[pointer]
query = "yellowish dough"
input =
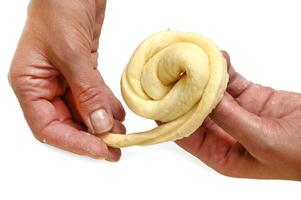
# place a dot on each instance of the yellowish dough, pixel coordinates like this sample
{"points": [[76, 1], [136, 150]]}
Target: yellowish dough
{"points": [[174, 77]]}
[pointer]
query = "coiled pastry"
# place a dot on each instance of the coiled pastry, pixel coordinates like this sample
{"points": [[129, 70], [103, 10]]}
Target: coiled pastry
{"points": [[176, 78]]}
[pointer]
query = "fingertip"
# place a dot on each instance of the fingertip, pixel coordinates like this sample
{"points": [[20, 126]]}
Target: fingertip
{"points": [[226, 55], [227, 58], [119, 112], [96, 148], [118, 127], [114, 154], [117, 108]]}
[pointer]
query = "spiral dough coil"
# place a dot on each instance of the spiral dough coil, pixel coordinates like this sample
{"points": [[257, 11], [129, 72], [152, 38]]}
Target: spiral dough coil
{"points": [[176, 78]]}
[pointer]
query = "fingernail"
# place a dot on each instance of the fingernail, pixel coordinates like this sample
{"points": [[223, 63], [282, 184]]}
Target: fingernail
{"points": [[100, 121]]}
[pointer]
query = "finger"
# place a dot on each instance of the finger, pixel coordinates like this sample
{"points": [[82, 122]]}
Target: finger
{"points": [[50, 123], [64, 114], [209, 143], [88, 89], [218, 150], [116, 107], [250, 96], [242, 125], [70, 103], [71, 139], [237, 83], [114, 153], [118, 127]]}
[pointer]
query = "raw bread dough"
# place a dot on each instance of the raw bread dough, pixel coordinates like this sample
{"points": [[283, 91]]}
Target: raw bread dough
{"points": [[174, 77]]}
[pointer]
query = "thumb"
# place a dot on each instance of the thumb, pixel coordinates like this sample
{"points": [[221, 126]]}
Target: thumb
{"points": [[89, 92], [242, 125]]}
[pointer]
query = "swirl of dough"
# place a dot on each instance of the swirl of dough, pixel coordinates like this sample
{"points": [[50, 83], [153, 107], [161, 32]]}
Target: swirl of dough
{"points": [[176, 78]]}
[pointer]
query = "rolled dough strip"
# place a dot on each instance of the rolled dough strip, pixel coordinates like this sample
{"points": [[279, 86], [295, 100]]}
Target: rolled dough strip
{"points": [[174, 77]]}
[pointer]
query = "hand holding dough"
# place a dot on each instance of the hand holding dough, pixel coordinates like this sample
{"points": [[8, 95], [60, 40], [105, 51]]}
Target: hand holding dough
{"points": [[173, 77]]}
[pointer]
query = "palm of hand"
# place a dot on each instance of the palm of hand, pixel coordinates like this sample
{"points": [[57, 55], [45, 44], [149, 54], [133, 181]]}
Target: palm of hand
{"points": [[253, 132]]}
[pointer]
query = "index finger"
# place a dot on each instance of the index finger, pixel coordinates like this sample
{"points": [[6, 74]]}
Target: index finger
{"points": [[51, 123]]}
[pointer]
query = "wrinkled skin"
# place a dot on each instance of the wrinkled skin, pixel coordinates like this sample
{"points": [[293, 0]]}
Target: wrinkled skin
{"points": [[254, 132], [55, 78]]}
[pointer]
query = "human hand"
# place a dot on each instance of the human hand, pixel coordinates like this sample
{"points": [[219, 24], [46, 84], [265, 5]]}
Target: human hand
{"points": [[254, 132], [55, 78]]}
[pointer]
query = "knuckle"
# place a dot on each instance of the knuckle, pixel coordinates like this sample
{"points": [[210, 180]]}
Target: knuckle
{"points": [[9, 78], [229, 173], [11, 75], [39, 136], [67, 55], [90, 95], [225, 171], [71, 60], [13, 80], [233, 172], [69, 52], [20, 83]]}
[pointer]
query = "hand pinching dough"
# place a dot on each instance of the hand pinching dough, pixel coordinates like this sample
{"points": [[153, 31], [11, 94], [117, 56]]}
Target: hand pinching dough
{"points": [[174, 77]]}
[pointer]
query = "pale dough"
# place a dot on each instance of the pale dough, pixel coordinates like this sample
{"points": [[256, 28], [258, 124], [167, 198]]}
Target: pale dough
{"points": [[174, 77]]}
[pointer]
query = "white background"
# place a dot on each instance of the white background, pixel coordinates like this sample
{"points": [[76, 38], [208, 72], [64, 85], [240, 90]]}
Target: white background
{"points": [[264, 40]]}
